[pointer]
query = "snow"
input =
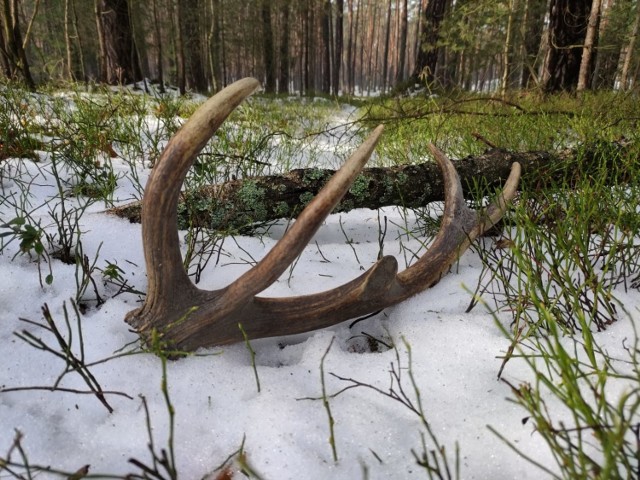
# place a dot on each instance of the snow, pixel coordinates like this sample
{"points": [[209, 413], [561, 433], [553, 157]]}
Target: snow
{"points": [[283, 430]]}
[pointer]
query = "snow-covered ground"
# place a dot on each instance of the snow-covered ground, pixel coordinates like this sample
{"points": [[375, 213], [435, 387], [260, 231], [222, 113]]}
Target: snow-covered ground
{"points": [[284, 431]]}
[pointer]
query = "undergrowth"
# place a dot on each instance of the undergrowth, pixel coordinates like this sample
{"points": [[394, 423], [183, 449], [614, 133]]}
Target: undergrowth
{"points": [[554, 279]]}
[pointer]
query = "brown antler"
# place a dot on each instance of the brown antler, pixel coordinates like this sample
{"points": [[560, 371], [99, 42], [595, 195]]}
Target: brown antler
{"points": [[188, 318]]}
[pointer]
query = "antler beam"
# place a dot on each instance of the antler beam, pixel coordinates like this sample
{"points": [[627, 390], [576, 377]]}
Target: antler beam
{"points": [[188, 318]]}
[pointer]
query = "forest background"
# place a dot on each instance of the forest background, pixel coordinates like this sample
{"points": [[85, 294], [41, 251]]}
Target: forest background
{"points": [[557, 288], [325, 46]]}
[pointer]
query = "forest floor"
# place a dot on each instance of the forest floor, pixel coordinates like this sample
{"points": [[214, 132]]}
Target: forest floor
{"points": [[425, 384]]}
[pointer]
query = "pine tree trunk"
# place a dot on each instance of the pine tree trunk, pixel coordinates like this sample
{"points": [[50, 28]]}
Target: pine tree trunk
{"points": [[326, 44], [624, 75], [121, 58], [193, 39], [385, 54], [159, 45], [14, 55], [568, 21], [267, 45], [67, 43], [402, 42], [590, 43], [179, 47], [506, 51], [83, 70], [427, 58], [309, 57], [337, 51], [101, 42], [351, 45], [283, 80]]}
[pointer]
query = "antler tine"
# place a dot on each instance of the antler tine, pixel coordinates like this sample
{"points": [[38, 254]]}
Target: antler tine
{"points": [[459, 227], [167, 279], [297, 237], [380, 287]]}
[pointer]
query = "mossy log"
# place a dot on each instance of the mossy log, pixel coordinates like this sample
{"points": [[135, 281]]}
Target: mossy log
{"points": [[238, 204]]}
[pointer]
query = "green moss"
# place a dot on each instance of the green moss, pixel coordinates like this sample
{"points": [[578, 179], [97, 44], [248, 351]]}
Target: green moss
{"points": [[252, 199], [312, 175], [402, 179], [305, 198], [389, 189], [221, 215], [281, 209], [360, 187]]}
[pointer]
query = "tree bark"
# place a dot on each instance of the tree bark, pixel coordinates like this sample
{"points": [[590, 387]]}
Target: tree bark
{"points": [[283, 80], [121, 58], [605, 66], [624, 76], [179, 47], [101, 42], [590, 44], [309, 56], [337, 51], [214, 46], [193, 39], [385, 54], [427, 57], [402, 42], [568, 21], [506, 51], [239, 204], [159, 46], [326, 43], [267, 45], [80, 42], [67, 44], [351, 45], [14, 55]]}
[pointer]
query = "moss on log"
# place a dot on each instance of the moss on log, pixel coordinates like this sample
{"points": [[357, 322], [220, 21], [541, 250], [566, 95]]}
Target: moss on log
{"points": [[238, 204]]}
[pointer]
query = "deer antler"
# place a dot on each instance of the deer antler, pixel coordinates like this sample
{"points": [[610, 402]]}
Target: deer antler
{"points": [[188, 318]]}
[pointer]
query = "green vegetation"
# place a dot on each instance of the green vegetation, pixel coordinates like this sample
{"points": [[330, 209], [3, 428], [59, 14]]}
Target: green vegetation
{"points": [[565, 254], [553, 278], [464, 124]]}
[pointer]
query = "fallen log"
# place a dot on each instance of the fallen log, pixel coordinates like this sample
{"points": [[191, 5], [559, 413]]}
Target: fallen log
{"points": [[238, 204]]}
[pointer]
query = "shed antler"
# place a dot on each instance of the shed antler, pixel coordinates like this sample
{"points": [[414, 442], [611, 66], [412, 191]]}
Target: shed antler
{"points": [[188, 318]]}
